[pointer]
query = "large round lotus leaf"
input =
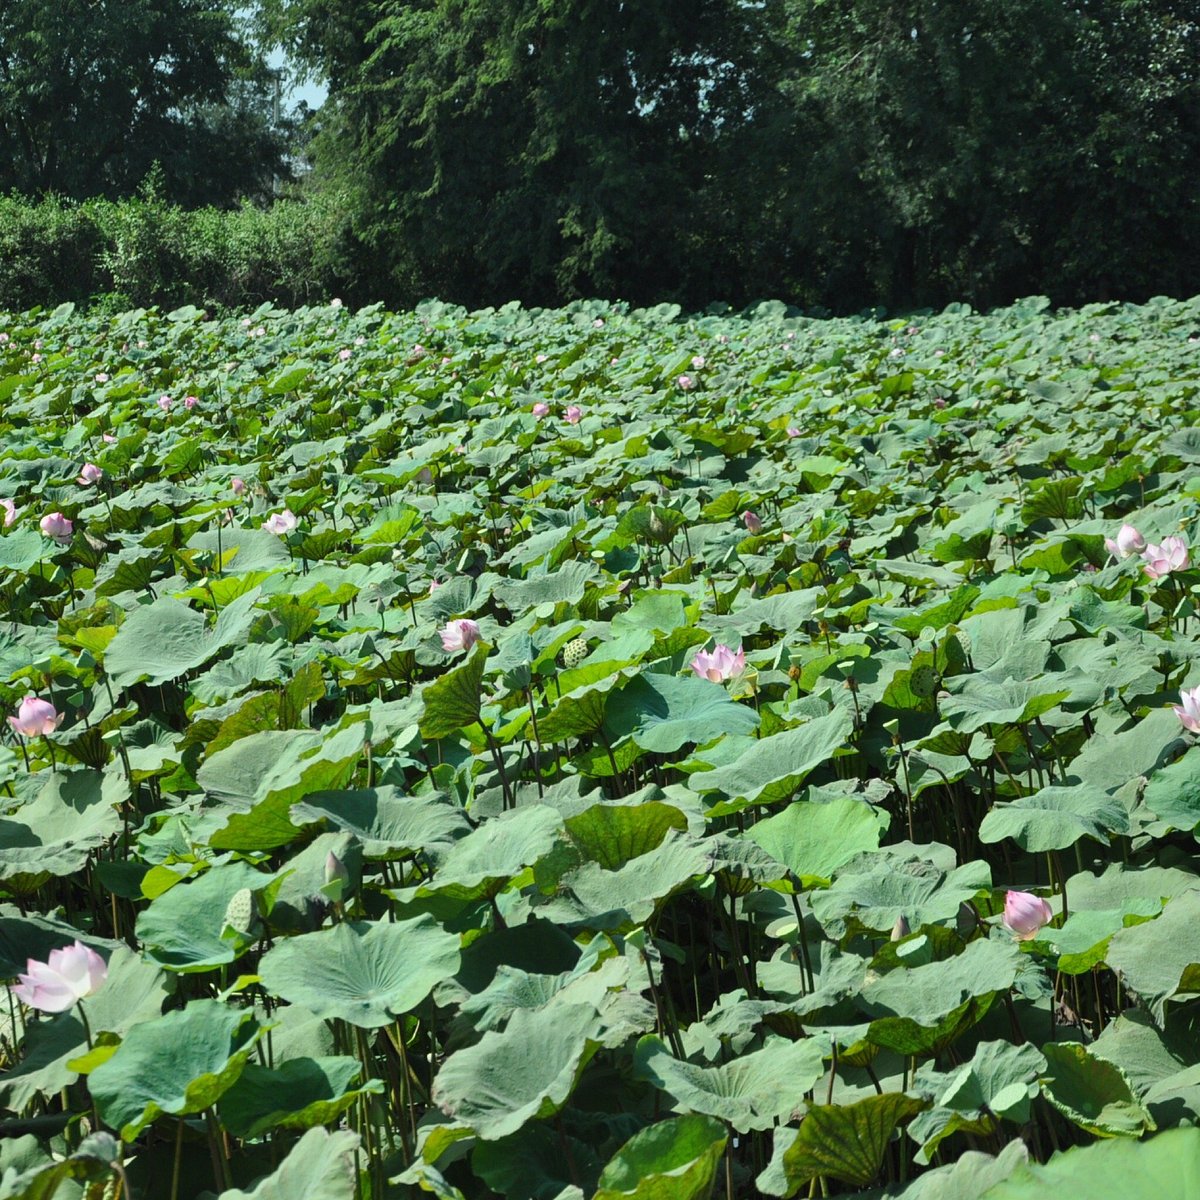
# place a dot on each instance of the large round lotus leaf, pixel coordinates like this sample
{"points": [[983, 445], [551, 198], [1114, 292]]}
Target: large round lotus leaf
{"points": [[612, 834], [387, 822], [812, 840], [664, 712], [298, 1094], [1092, 1092], [1167, 1167], [72, 814], [1056, 817], [159, 642], [524, 1073], [775, 766], [184, 929], [674, 1159], [1160, 959], [321, 1166], [751, 1092], [480, 864], [179, 1063], [363, 972], [845, 1142]]}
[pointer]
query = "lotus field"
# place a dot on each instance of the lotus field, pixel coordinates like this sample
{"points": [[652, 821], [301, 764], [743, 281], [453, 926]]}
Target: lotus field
{"points": [[599, 753]]}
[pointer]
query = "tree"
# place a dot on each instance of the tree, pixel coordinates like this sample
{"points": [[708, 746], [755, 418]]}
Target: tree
{"points": [[94, 92], [540, 149]]}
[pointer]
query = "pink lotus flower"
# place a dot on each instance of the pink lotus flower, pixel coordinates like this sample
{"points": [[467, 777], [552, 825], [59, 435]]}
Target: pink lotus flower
{"points": [[1025, 914], [572, 415], [71, 974], [89, 475], [280, 522], [1128, 541], [459, 635], [35, 718], [419, 351], [101, 376], [10, 512], [1171, 555], [58, 527], [752, 521], [108, 438], [335, 303], [237, 486], [190, 402], [540, 410], [165, 402], [541, 358], [35, 358], [344, 355], [698, 361], [792, 431], [598, 323], [1188, 709], [720, 664], [686, 382]]}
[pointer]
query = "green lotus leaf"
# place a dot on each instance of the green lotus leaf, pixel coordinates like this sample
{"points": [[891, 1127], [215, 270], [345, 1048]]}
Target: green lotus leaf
{"points": [[366, 973], [321, 1166], [813, 839], [674, 1159], [159, 642], [753, 1091], [176, 1064]]}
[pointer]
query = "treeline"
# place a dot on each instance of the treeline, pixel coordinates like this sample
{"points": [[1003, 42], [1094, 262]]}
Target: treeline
{"points": [[837, 155]]}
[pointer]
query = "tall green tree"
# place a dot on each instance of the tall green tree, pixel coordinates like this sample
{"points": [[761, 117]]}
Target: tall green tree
{"points": [[94, 92], [540, 148]]}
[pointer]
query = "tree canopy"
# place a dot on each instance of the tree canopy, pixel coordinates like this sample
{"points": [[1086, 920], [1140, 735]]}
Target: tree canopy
{"points": [[94, 92]]}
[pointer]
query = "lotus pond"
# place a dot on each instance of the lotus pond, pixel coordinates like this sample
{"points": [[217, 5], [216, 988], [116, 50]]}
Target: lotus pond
{"points": [[599, 753]]}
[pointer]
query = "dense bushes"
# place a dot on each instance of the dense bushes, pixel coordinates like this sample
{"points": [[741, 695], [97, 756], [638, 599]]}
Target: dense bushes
{"points": [[144, 251]]}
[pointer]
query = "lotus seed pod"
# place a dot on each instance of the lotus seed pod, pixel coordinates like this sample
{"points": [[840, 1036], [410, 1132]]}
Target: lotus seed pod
{"points": [[239, 912], [575, 652], [923, 681]]}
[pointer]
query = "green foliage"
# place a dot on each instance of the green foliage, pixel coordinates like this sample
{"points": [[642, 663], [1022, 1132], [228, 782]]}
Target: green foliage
{"points": [[905, 863]]}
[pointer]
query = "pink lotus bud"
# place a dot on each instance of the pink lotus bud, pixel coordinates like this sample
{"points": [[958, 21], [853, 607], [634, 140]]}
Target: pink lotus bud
{"points": [[108, 438], [344, 354], [190, 402], [901, 929], [36, 358], [280, 523], [752, 521], [89, 475], [541, 358], [572, 415], [1025, 914], [1171, 555], [1128, 541], [1188, 709], [237, 486], [10, 512], [165, 402], [35, 717], [685, 383], [459, 635], [792, 431], [101, 376], [58, 527], [335, 303], [335, 870], [540, 410], [720, 665], [71, 974], [598, 323], [698, 361]]}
